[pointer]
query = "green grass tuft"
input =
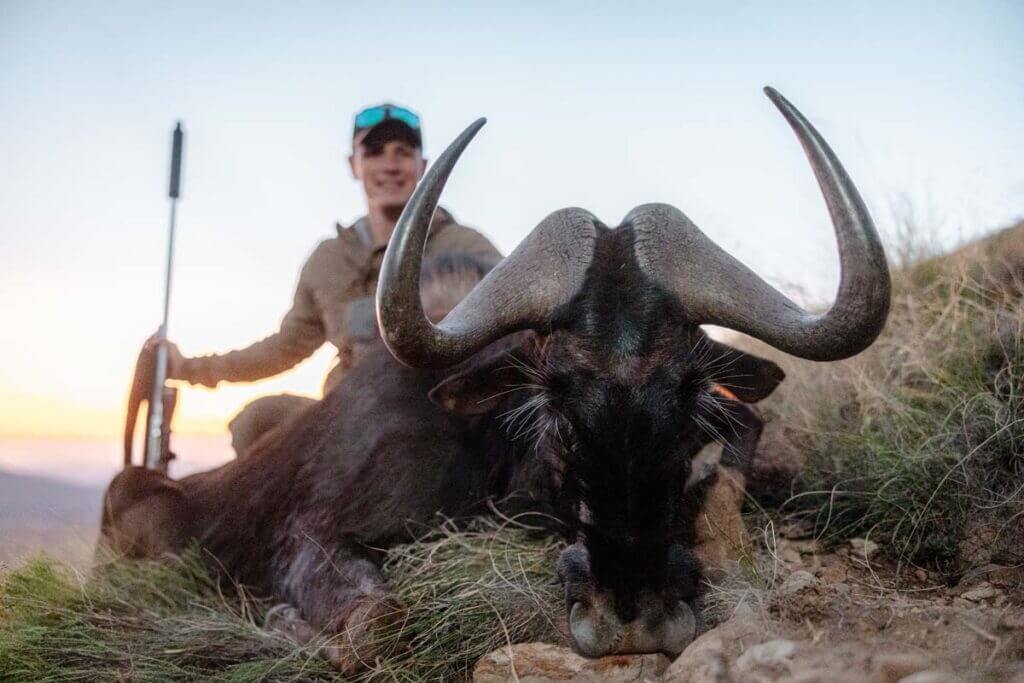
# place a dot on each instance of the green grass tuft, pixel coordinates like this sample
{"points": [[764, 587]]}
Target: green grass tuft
{"points": [[140, 621], [467, 594], [918, 443]]}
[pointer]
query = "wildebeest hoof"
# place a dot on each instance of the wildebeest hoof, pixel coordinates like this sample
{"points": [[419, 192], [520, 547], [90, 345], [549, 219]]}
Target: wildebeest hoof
{"points": [[367, 633], [285, 618]]}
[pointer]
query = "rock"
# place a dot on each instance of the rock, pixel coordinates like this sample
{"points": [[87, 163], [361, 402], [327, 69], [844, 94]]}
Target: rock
{"points": [[750, 650], [976, 548], [795, 529], [983, 591], [705, 666], [834, 573], [892, 667], [806, 547], [849, 662], [863, 547], [963, 605], [933, 676], [1011, 578], [789, 555], [546, 663], [774, 658], [796, 582], [1013, 620], [718, 646]]}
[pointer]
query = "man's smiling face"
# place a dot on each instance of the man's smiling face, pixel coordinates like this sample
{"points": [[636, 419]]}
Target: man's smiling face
{"points": [[388, 167]]}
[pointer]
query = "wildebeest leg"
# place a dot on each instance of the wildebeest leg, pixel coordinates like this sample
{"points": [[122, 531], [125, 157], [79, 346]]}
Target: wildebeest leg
{"points": [[260, 416], [341, 595]]}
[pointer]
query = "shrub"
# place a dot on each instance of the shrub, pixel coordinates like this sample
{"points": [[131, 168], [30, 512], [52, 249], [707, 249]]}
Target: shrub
{"points": [[918, 443]]}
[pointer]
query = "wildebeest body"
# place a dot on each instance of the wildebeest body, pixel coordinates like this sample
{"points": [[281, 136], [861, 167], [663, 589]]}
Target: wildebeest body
{"points": [[374, 463], [304, 516]]}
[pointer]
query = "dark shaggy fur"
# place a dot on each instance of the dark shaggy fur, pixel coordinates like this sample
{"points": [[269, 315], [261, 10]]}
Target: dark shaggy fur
{"points": [[590, 425]]}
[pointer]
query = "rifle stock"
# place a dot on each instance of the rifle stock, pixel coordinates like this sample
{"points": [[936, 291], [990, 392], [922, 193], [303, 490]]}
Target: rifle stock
{"points": [[156, 453]]}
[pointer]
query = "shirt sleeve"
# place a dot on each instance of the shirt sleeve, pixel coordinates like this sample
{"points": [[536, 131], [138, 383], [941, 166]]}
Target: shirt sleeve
{"points": [[300, 334]]}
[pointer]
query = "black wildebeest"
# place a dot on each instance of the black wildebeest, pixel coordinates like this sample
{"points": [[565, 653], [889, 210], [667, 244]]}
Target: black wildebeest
{"points": [[573, 378]]}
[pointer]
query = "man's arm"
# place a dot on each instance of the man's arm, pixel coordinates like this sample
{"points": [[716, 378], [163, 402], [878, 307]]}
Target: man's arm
{"points": [[301, 333]]}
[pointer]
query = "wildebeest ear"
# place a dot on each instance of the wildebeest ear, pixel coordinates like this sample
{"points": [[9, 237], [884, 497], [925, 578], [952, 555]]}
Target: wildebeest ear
{"points": [[478, 388], [747, 376]]}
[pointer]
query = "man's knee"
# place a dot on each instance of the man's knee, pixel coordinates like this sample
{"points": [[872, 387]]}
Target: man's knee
{"points": [[260, 416]]}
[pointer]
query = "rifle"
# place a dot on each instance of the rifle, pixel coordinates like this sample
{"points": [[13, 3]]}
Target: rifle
{"points": [[151, 369]]}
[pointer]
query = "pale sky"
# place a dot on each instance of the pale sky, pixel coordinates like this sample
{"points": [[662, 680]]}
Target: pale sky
{"points": [[600, 106]]}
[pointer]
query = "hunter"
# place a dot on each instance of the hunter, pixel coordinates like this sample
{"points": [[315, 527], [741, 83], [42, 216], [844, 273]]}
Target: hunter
{"points": [[334, 297]]}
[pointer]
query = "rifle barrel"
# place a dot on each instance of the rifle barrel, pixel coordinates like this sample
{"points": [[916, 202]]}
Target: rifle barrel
{"points": [[154, 429], [176, 147]]}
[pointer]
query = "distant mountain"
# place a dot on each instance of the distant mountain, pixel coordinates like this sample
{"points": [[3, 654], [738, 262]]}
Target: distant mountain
{"points": [[40, 515], [26, 497]]}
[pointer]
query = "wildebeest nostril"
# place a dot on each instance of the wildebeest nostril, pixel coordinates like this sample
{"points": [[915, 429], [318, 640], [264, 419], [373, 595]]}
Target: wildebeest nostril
{"points": [[679, 629], [595, 631], [626, 609], [598, 628]]}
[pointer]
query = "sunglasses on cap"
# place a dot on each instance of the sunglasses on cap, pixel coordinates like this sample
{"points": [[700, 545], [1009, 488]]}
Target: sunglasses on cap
{"points": [[371, 116]]}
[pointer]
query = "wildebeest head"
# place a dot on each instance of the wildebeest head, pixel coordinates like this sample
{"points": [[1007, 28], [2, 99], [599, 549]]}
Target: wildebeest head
{"points": [[620, 377]]}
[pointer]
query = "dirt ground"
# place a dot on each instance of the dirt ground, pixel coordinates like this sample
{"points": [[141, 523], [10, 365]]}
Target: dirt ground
{"points": [[783, 607], [814, 616], [848, 615]]}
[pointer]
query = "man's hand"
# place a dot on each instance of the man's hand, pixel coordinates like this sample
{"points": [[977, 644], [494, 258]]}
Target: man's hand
{"points": [[175, 361]]}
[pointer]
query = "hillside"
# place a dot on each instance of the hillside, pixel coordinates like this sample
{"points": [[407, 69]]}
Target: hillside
{"points": [[39, 515]]}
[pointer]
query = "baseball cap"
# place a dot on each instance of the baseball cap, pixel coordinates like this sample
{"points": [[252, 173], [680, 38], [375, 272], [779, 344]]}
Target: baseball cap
{"points": [[392, 120]]}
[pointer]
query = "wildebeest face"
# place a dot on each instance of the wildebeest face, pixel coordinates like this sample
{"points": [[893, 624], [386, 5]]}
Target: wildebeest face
{"points": [[618, 393], [627, 390], [618, 421], [624, 450]]}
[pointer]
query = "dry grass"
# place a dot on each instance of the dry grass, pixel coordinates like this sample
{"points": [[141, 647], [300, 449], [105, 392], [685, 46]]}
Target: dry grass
{"points": [[918, 443]]}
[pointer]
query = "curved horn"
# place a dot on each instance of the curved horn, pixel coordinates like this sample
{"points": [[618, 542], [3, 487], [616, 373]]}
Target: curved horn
{"points": [[524, 291], [716, 288]]}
